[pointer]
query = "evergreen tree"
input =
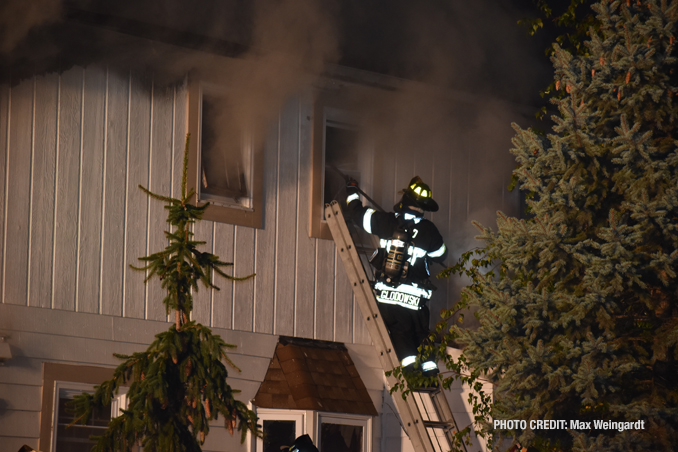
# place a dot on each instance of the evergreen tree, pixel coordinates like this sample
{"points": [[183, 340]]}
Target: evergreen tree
{"points": [[583, 321], [572, 19], [179, 383]]}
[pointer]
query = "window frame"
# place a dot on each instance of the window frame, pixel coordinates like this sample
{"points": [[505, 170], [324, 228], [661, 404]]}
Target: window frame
{"points": [[331, 107], [363, 421], [311, 423], [274, 414], [236, 215], [117, 404], [53, 373]]}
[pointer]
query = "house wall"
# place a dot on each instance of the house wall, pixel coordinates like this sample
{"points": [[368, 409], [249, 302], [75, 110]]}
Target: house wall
{"points": [[38, 335], [73, 149]]}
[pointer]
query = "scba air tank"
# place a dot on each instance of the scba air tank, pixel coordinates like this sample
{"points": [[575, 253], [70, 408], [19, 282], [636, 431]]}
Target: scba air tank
{"points": [[397, 255]]}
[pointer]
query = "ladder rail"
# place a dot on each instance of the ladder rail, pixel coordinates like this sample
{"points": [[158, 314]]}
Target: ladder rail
{"points": [[442, 407], [416, 427], [407, 408]]}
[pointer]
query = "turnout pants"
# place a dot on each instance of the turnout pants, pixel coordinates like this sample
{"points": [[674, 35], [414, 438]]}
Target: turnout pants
{"points": [[407, 328]]}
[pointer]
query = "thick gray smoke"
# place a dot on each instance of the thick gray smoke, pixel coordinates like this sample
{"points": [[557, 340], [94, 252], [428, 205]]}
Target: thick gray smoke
{"points": [[463, 55]]}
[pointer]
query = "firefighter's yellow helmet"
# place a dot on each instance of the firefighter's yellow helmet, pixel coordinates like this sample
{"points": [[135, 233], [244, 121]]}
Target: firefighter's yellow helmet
{"points": [[419, 195]]}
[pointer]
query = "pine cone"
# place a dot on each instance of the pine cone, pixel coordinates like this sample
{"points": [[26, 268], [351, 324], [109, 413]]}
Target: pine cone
{"points": [[230, 423]]}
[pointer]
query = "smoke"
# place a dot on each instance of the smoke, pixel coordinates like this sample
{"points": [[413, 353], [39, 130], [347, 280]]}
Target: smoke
{"points": [[19, 17], [291, 42], [468, 62]]}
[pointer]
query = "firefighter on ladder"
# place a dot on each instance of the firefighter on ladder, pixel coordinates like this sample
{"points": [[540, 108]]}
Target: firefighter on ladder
{"points": [[407, 244]]}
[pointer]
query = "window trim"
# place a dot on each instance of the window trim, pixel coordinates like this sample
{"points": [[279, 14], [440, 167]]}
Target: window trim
{"points": [[240, 216], [363, 421], [53, 373], [311, 422], [269, 414], [75, 387], [331, 106]]}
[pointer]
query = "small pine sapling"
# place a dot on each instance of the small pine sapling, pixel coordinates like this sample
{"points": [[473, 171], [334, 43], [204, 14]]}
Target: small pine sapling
{"points": [[178, 384]]}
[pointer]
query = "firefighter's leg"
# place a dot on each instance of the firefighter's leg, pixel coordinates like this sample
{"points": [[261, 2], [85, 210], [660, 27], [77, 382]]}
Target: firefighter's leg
{"points": [[401, 328], [421, 322]]}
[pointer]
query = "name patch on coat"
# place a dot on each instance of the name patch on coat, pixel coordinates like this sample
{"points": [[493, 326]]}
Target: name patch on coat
{"points": [[391, 296]]}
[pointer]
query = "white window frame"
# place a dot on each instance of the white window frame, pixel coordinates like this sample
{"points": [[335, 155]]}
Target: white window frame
{"points": [[309, 422], [347, 419], [117, 404], [272, 414]]}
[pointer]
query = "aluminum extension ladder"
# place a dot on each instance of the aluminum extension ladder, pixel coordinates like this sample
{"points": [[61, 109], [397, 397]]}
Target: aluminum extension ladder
{"points": [[425, 415]]}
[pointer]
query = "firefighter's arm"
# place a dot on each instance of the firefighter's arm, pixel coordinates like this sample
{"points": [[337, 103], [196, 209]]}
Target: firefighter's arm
{"points": [[437, 251], [358, 213], [364, 216]]}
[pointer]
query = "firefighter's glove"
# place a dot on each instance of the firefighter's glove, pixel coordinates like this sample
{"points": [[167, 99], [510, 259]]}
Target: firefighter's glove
{"points": [[352, 191]]}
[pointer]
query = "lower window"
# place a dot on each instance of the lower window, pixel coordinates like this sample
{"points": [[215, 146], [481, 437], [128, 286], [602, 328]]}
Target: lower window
{"points": [[76, 438], [342, 433], [280, 427], [330, 432]]}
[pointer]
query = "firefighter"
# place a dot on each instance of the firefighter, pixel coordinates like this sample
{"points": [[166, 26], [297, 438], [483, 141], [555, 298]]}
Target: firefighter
{"points": [[408, 243]]}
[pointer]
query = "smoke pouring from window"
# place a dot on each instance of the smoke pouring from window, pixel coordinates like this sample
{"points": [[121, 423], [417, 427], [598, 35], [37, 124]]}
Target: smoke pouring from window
{"points": [[470, 63]]}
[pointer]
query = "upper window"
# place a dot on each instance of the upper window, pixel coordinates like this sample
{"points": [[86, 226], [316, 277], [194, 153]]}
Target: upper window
{"points": [[340, 150], [225, 166]]}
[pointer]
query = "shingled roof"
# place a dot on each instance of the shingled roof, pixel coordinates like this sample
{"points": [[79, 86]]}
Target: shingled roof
{"points": [[306, 374]]}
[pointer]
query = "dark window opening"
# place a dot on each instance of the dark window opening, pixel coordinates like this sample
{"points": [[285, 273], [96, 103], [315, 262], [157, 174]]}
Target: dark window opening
{"points": [[225, 156], [278, 434], [76, 437], [341, 157], [341, 438]]}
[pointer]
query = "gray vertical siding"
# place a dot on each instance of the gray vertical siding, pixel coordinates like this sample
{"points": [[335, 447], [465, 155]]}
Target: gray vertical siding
{"points": [[42, 192], [91, 190], [67, 190], [74, 148], [17, 196], [116, 151], [287, 206]]}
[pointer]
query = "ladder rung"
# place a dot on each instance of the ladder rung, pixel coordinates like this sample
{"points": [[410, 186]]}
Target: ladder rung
{"points": [[438, 424], [429, 390]]}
